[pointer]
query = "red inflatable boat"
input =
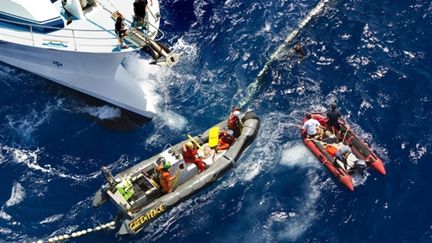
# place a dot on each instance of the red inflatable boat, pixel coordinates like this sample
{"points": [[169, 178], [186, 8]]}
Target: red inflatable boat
{"points": [[325, 147]]}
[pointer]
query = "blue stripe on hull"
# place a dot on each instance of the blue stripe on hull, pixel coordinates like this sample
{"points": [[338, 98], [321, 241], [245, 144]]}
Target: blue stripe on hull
{"points": [[24, 22]]}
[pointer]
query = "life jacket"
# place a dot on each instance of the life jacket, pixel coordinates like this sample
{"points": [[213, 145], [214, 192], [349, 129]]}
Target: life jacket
{"points": [[189, 155], [331, 149], [226, 138], [233, 121], [165, 181]]}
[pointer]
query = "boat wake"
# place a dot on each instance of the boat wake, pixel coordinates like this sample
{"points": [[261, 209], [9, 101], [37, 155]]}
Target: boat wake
{"points": [[295, 154]]}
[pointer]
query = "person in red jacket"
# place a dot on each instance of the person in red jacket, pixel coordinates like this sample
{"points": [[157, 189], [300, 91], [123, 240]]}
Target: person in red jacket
{"points": [[234, 122], [190, 155], [226, 138]]}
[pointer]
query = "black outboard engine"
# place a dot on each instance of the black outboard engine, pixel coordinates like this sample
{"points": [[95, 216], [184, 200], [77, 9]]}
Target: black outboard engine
{"points": [[108, 176], [359, 167]]}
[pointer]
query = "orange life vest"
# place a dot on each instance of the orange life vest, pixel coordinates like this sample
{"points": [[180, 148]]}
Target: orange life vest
{"points": [[331, 149]]}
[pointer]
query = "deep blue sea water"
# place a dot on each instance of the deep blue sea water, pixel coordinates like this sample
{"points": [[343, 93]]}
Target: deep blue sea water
{"points": [[371, 57]]}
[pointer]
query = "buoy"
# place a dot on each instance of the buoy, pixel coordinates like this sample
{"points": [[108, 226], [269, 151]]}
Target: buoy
{"points": [[50, 240], [98, 228], [74, 234], [89, 230], [60, 237]]}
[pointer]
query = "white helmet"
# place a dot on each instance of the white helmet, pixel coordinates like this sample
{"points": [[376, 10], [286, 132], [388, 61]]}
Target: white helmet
{"points": [[236, 113], [230, 132]]}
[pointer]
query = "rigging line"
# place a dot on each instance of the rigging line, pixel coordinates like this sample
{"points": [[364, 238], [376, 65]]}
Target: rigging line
{"points": [[251, 89]]}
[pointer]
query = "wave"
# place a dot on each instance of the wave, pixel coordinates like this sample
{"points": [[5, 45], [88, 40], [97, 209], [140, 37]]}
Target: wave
{"points": [[30, 158], [26, 125], [51, 219], [17, 195]]}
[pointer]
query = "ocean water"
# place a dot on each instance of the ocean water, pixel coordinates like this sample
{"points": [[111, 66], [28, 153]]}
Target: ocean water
{"points": [[371, 57]]}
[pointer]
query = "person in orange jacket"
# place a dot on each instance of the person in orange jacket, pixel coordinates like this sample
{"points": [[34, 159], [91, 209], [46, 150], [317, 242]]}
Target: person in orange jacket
{"points": [[234, 122], [226, 138], [190, 155], [165, 178]]}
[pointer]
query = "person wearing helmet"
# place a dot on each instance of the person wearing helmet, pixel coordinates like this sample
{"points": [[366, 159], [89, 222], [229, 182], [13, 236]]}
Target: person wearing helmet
{"points": [[226, 138], [165, 178], [234, 122], [333, 117], [190, 155]]}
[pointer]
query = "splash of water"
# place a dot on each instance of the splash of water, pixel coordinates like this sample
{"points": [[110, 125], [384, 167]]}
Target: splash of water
{"points": [[105, 112], [295, 154]]}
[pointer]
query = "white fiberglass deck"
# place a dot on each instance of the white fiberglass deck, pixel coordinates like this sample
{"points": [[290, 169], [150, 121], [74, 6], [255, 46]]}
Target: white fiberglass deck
{"points": [[94, 33], [84, 55]]}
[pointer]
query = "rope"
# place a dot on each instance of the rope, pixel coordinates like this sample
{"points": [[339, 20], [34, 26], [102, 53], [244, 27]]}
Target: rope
{"points": [[252, 87], [76, 234], [128, 21]]}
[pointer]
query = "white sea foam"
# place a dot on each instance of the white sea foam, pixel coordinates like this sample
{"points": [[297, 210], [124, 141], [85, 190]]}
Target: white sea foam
{"points": [[173, 120], [295, 154], [51, 219], [305, 214], [155, 81], [30, 159], [105, 112], [29, 123], [417, 153], [17, 195], [4, 215]]}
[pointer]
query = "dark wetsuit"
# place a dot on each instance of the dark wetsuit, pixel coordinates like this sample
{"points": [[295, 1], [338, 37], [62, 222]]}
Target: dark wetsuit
{"points": [[333, 117], [139, 8]]}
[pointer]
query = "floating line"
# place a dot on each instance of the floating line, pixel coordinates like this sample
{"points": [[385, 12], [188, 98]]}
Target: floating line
{"points": [[251, 89], [79, 233]]}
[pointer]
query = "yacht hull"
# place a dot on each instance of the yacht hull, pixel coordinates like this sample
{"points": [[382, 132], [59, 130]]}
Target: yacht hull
{"points": [[100, 75]]}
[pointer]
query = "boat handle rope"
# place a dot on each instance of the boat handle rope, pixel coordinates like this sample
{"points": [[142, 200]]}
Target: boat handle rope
{"points": [[110, 225]]}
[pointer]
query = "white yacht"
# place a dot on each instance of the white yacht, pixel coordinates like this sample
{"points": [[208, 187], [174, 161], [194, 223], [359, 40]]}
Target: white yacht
{"points": [[73, 43]]}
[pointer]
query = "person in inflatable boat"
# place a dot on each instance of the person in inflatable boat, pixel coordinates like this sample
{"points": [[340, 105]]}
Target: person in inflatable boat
{"points": [[226, 138], [190, 155], [234, 122], [165, 178], [312, 127]]}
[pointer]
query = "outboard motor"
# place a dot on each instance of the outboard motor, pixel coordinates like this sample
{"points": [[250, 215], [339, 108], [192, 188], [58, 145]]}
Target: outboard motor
{"points": [[359, 167], [108, 176]]}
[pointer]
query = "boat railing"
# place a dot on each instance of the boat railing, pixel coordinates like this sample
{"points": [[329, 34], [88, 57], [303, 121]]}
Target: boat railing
{"points": [[59, 38]]}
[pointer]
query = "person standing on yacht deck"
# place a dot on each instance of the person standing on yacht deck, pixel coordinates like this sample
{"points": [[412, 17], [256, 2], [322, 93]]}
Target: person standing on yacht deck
{"points": [[140, 7], [120, 31]]}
